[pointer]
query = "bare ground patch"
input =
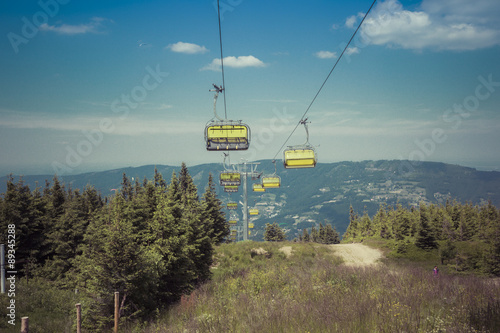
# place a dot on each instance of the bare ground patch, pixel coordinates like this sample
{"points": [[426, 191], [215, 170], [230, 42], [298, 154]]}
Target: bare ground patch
{"points": [[357, 254]]}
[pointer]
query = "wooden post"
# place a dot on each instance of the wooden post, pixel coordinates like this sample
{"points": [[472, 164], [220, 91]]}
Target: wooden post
{"points": [[117, 310], [78, 318], [24, 325]]}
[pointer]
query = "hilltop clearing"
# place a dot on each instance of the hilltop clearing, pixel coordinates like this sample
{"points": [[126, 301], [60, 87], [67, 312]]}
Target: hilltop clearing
{"points": [[356, 254]]}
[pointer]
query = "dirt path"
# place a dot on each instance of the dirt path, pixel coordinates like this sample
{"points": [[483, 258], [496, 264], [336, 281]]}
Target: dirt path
{"points": [[357, 254]]}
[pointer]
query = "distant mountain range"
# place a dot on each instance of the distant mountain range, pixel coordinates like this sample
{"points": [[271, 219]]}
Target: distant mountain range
{"points": [[321, 194]]}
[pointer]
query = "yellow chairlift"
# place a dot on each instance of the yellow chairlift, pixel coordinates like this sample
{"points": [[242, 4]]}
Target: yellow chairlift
{"points": [[223, 134], [231, 189], [232, 205], [253, 211], [250, 225], [232, 221], [228, 178], [301, 156], [258, 188], [271, 181]]}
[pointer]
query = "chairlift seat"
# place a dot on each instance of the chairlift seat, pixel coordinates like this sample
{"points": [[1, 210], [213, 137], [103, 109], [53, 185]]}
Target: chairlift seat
{"points": [[304, 157], [227, 136], [271, 182], [231, 188], [230, 178], [258, 188]]}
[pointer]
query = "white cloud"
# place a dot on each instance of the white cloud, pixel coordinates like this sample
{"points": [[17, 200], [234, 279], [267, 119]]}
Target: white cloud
{"points": [[438, 25], [351, 50], [188, 48], [235, 62], [350, 21], [326, 54], [130, 126], [93, 26]]}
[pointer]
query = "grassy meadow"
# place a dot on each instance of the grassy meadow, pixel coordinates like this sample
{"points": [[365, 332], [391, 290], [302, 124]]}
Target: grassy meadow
{"points": [[257, 287], [311, 291]]}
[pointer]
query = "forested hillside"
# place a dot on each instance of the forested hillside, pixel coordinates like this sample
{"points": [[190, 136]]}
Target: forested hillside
{"points": [[466, 236], [152, 241], [322, 194]]}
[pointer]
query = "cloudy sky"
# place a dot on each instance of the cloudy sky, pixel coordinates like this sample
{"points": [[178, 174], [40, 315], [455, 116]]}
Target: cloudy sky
{"points": [[93, 85]]}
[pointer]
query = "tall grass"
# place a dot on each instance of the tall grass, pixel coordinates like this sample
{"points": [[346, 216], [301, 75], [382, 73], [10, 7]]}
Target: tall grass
{"points": [[49, 308], [309, 291], [312, 292]]}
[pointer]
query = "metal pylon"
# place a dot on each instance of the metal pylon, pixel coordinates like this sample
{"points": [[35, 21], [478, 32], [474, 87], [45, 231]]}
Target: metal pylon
{"points": [[242, 168]]}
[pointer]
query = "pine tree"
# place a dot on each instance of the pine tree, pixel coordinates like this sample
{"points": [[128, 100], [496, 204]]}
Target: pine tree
{"points": [[158, 179], [332, 235], [364, 225], [314, 235], [212, 214], [352, 229], [169, 244], [336, 236], [18, 208], [127, 192], [198, 229], [380, 222], [425, 239], [113, 260], [67, 233], [305, 236], [322, 239], [273, 233], [402, 223], [187, 188], [491, 259]]}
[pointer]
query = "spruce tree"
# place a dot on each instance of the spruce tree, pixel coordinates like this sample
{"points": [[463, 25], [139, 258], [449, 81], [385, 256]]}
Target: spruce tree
{"points": [[198, 229], [314, 235], [213, 215], [352, 229], [127, 191], [425, 238], [273, 233], [169, 243], [19, 208], [331, 235], [305, 236], [322, 239], [113, 260]]}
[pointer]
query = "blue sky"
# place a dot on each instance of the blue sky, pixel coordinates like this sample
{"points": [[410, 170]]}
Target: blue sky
{"points": [[93, 85]]}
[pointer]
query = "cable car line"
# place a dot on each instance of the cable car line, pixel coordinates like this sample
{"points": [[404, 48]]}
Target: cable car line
{"points": [[224, 134], [223, 88], [326, 79]]}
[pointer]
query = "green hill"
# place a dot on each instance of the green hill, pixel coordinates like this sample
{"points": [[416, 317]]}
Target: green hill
{"points": [[322, 194]]}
